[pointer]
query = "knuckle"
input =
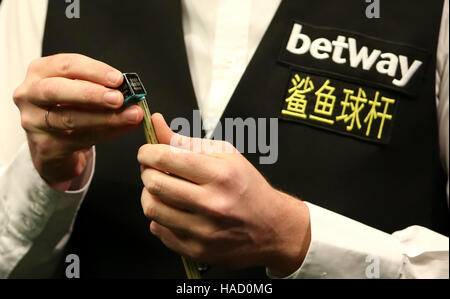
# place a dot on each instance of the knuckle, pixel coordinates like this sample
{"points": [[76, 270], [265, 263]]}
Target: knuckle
{"points": [[160, 155], [153, 184], [154, 229], [67, 119], [151, 212], [112, 120], [34, 66], [66, 62], [25, 121], [197, 252], [89, 94], [221, 208], [142, 153], [45, 149], [204, 232], [19, 94], [144, 201], [49, 88], [226, 175], [44, 145]]}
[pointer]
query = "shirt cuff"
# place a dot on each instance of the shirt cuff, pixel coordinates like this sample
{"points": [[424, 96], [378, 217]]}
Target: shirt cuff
{"points": [[343, 248], [26, 204], [426, 253]]}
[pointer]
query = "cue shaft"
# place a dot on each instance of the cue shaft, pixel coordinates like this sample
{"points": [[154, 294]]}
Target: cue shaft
{"points": [[190, 266]]}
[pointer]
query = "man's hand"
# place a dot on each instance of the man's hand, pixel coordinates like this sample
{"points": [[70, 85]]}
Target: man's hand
{"points": [[83, 111], [216, 208]]}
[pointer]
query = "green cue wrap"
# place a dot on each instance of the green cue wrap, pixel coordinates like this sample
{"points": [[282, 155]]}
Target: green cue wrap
{"points": [[134, 93]]}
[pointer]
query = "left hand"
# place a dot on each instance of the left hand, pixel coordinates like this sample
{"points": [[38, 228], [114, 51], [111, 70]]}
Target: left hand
{"points": [[216, 208]]}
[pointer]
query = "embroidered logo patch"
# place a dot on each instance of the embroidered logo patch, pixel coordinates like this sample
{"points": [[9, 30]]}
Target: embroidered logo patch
{"points": [[354, 57], [338, 106]]}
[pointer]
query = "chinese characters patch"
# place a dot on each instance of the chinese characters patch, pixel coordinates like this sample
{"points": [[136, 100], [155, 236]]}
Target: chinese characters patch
{"points": [[345, 108]]}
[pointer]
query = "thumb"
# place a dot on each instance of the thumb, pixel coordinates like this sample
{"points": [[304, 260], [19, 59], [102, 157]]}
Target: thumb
{"points": [[163, 132], [166, 136]]}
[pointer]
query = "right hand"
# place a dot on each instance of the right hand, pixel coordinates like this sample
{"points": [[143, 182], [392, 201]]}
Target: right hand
{"points": [[84, 111]]}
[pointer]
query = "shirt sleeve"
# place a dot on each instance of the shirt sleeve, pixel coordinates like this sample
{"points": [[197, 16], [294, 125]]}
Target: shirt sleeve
{"points": [[344, 248], [442, 92], [35, 219]]}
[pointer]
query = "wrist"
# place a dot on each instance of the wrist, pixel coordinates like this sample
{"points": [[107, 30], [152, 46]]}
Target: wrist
{"points": [[81, 180], [60, 186], [59, 172], [293, 239]]}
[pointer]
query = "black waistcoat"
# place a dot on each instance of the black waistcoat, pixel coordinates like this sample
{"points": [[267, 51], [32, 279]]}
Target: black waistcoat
{"points": [[388, 185]]}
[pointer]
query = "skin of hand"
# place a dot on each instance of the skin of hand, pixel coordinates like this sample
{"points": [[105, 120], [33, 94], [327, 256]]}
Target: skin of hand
{"points": [[216, 208], [84, 110]]}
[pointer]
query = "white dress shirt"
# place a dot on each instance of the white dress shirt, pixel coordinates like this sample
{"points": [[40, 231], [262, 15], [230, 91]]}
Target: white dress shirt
{"points": [[221, 37]]}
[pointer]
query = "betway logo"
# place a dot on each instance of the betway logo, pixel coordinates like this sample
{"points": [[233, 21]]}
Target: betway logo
{"points": [[322, 48]]}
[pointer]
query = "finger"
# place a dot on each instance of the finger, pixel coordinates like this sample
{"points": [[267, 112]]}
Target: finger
{"points": [[174, 191], [57, 90], [173, 218], [72, 119], [177, 242], [194, 167], [77, 66]]}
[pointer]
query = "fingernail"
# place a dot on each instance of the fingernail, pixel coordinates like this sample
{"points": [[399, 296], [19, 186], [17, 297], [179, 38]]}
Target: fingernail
{"points": [[114, 77], [131, 114], [112, 98]]}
